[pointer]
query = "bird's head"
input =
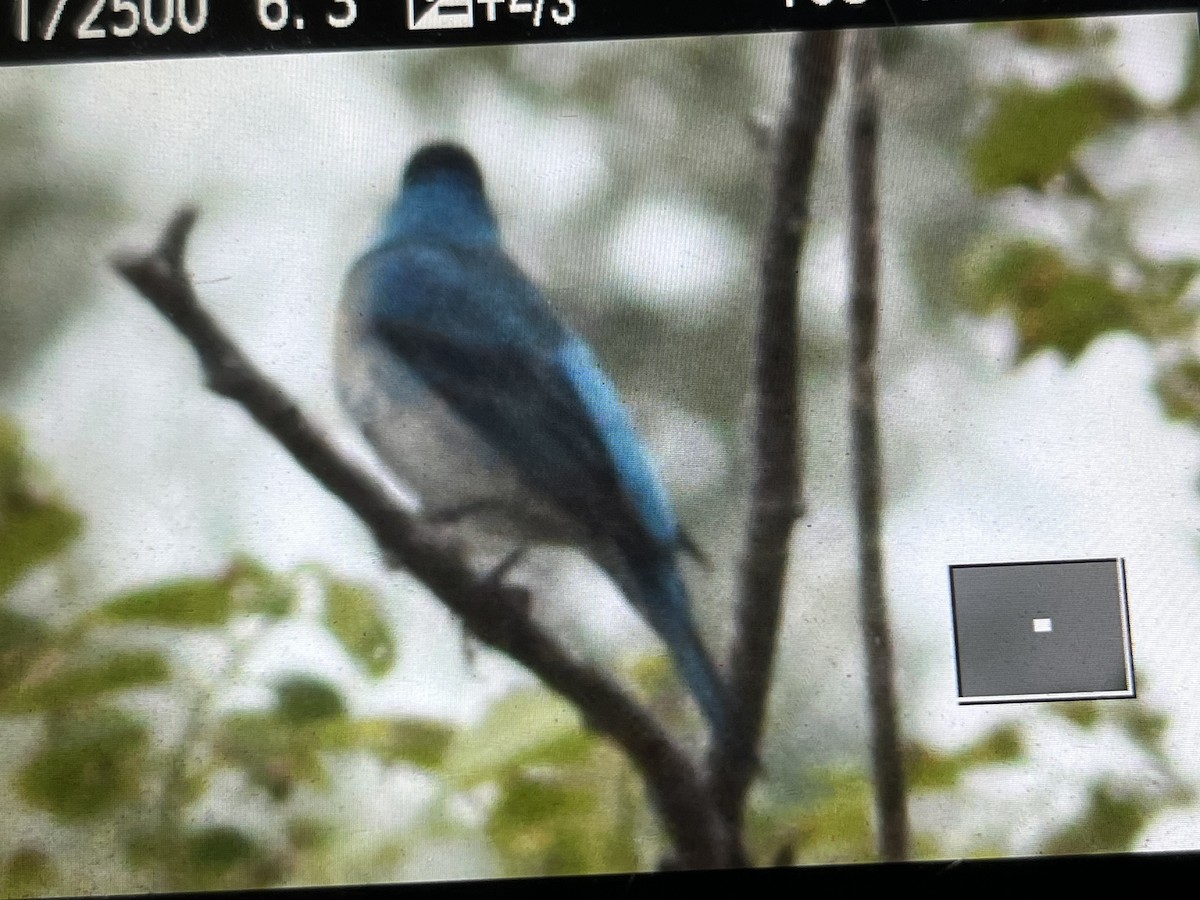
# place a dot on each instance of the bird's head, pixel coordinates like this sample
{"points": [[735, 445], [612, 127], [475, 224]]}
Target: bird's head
{"points": [[442, 195], [443, 162]]}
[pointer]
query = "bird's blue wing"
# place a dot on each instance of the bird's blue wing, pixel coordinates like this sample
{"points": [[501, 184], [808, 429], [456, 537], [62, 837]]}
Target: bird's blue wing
{"points": [[525, 406], [614, 427]]}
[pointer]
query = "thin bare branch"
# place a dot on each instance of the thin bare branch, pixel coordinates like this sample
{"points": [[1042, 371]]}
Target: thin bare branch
{"points": [[777, 494], [495, 613], [886, 754]]}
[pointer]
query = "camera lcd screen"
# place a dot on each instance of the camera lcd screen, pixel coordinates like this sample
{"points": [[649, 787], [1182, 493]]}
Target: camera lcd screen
{"points": [[589, 457]]}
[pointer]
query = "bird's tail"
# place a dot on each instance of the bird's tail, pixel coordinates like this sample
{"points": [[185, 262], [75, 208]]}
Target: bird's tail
{"points": [[667, 608]]}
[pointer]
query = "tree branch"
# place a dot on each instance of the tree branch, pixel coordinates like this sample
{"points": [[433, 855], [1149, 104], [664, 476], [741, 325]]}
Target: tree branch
{"points": [[886, 756], [495, 613], [777, 494]]}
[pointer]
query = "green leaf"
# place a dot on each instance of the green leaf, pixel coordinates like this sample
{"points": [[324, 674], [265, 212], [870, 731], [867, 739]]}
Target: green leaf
{"points": [[12, 456], [216, 857], [1188, 97], [88, 765], [653, 673], [273, 754], [574, 817], [22, 640], [1032, 135], [1000, 745], [929, 769], [284, 747], [545, 825], [419, 742], [73, 682], [1055, 34], [29, 872], [1110, 823], [1178, 389], [1066, 34], [1145, 727], [527, 727], [1059, 304], [222, 857], [1168, 280], [186, 603], [1053, 303], [1085, 714], [152, 845], [353, 615], [256, 590], [272, 742], [33, 530], [301, 699], [308, 835], [838, 827], [245, 587]]}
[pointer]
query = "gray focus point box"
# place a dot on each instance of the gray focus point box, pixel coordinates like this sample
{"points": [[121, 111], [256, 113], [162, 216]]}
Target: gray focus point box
{"points": [[1041, 631]]}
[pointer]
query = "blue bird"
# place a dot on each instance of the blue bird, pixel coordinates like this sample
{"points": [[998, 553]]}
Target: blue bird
{"points": [[479, 399]]}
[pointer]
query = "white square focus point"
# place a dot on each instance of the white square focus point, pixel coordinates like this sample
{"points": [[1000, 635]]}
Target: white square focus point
{"points": [[1041, 626]]}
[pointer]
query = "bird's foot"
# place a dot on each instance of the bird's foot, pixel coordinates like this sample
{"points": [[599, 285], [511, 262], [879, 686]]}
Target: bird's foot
{"points": [[493, 584], [506, 565], [493, 581]]}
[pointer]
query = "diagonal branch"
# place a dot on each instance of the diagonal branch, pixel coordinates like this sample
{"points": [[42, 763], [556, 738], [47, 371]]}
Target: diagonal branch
{"points": [[886, 756], [777, 494], [493, 612]]}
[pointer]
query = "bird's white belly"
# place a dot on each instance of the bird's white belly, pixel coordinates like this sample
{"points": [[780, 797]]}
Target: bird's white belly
{"points": [[436, 454]]}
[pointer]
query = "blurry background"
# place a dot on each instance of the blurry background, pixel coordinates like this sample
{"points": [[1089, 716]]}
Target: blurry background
{"points": [[207, 679]]}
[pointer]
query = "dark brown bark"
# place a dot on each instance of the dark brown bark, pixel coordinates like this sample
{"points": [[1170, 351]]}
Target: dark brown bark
{"points": [[777, 495], [887, 759]]}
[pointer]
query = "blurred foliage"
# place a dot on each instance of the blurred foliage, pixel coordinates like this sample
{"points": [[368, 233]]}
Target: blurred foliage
{"points": [[1112, 819], [49, 207], [91, 762], [353, 615], [1062, 306], [837, 826], [1118, 812], [102, 760], [566, 802], [60, 681], [33, 527], [1032, 134], [1036, 139], [1056, 34], [28, 873], [929, 769]]}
